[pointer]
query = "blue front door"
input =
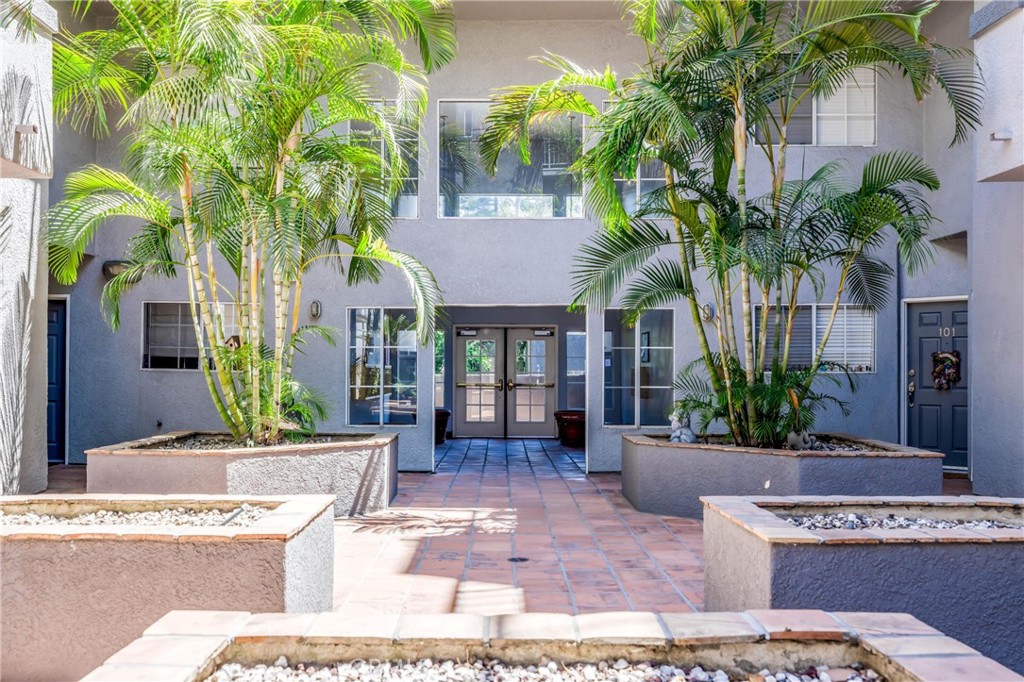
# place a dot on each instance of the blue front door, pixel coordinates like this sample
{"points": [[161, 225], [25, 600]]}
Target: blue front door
{"points": [[56, 341]]}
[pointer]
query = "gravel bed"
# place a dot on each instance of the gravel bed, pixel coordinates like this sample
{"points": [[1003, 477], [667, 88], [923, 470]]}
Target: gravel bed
{"points": [[863, 521], [244, 515], [214, 442], [427, 670]]}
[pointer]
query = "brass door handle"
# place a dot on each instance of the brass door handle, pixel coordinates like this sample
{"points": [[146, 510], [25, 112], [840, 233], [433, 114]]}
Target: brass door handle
{"points": [[512, 385], [500, 385]]}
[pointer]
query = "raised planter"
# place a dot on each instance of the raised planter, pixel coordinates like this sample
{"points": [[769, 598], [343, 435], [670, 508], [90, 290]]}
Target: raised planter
{"points": [[72, 595], [968, 583], [361, 471], [669, 478], [189, 646]]}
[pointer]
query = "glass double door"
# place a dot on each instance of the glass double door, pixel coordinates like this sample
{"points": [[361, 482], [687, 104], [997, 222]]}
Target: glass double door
{"points": [[505, 382]]}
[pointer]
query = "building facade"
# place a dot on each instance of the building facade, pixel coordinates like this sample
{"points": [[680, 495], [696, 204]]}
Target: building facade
{"points": [[509, 353]]}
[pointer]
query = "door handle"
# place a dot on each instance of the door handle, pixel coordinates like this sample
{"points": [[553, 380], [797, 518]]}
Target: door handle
{"points": [[911, 389], [500, 385], [512, 385]]}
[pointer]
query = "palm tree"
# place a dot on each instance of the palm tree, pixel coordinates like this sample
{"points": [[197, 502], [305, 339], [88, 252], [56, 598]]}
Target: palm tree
{"points": [[719, 74], [234, 156]]}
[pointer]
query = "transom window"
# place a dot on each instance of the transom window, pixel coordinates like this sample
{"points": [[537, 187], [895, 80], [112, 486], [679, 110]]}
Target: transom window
{"points": [[638, 369], [169, 337], [405, 203], [845, 119], [851, 343], [542, 189], [382, 366], [575, 370]]}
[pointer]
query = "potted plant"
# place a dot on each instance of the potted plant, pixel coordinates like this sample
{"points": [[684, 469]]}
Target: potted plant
{"points": [[235, 175], [725, 81]]}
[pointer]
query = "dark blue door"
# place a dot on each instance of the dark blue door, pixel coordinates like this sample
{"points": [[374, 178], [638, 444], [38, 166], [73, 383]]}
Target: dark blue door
{"points": [[56, 343]]}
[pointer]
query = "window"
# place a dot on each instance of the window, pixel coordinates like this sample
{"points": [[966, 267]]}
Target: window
{"points": [[169, 337], [576, 370], [406, 203], [543, 189], [845, 119], [439, 347], [638, 369], [650, 176], [851, 343], [382, 366]]}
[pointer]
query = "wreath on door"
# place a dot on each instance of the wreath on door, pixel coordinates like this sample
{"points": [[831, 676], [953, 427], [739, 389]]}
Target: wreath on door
{"points": [[945, 369]]}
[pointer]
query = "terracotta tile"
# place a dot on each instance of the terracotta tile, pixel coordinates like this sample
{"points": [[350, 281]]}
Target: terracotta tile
{"points": [[262, 626], [915, 645], [447, 626], [558, 627], [884, 623], [710, 628], [956, 668], [222, 623], [800, 625], [375, 627], [170, 651], [621, 626]]}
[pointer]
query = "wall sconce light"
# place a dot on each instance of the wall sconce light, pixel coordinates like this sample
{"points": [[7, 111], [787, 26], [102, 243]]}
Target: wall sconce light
{"points": [[315, 310], [113, 268], [1002, 135], [707, 312]]}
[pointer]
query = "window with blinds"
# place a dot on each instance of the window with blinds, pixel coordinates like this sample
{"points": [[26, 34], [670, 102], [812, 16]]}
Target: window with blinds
{"points": [[845, 119], [851, 343], [169, 337]]}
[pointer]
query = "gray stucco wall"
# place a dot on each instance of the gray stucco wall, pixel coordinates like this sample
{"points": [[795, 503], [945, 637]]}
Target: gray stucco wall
{"points": [[499, 263]]}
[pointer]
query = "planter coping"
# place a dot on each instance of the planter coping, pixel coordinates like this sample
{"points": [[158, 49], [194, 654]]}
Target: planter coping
{"points": [[757, 516], [884, 449], [183, 646], [140, 446], [288, 517]]}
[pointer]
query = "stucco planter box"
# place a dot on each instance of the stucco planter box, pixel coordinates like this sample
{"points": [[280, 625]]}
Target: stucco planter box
{"points": [[188, 646], [967, 583], [669, 478], [72, 595], [361, 471]]}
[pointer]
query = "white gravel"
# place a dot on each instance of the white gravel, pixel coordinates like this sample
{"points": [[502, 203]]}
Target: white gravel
{"points": [[863, 521], [244, 515], [427, 670]]}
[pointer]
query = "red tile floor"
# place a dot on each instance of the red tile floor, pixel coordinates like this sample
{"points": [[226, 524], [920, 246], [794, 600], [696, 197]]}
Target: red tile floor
{"points": [[446, 542]]}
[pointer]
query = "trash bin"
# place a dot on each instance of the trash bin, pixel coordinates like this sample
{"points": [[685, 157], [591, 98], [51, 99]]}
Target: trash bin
{"points": [[572, 427], [440, 425]]}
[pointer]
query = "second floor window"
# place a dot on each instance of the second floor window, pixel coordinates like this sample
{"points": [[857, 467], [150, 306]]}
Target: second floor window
{"points": [[543, 189], [405, 203], [845, 119]]}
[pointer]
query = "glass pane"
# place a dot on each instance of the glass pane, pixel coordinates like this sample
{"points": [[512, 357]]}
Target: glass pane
{"points": [[537, 414], [542, 189], [400, 327], [363, 367], [575, 396], [619, 367], [487, 413], [861, 130], [399, 405], [472, 413], [655, 329], [618, 406], [399, 366], [364, 405], [800, 130], [168, 313], [522, 413], [364, 327], [575, 366], [655, 406], [576, 344], [831, 130], [617, 335], [656, 369]]}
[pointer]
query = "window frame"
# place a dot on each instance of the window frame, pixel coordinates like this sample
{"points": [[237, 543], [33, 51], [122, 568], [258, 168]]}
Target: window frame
{"points": [[815, 341], [348, 371], [386, 101], [145, 329], [436, 166], [636, 373], [814, 123]]}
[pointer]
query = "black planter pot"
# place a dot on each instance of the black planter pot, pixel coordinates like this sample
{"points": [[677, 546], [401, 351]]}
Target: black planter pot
{"points": [[440, 425], [572, 427]]}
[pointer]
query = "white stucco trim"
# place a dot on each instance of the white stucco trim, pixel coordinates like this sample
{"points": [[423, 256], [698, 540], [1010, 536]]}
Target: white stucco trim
{"points": [[904, 348]]}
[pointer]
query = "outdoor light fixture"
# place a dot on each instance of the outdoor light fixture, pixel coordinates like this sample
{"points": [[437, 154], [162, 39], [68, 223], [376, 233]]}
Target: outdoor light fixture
{"points": [[315, 309], [543, 332], [467, 332], [113, 268], [707, 312], [1001, 135]]}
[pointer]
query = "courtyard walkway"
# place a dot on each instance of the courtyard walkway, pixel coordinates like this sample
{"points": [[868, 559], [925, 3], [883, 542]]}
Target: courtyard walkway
{"points": [[513, 526]]}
